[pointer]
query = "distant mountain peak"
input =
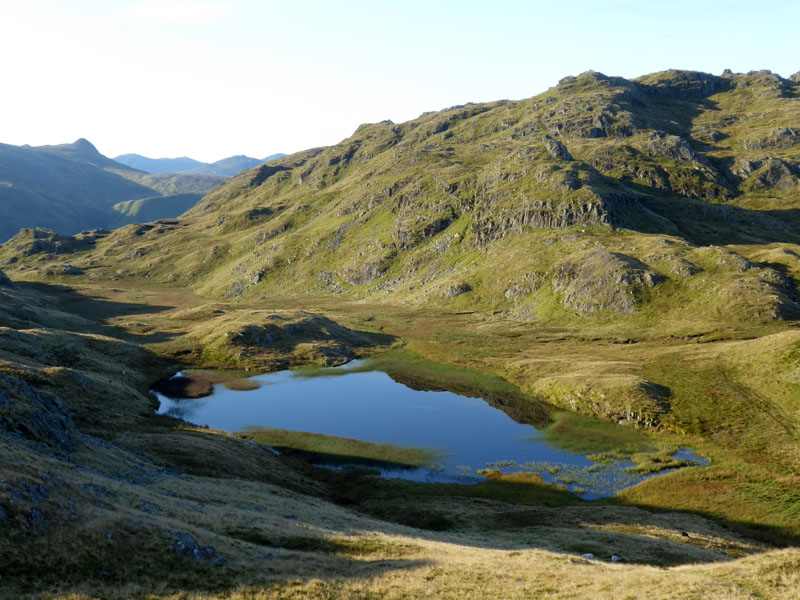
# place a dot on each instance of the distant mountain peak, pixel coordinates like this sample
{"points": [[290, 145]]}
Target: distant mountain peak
{"points": [[85, 144]]}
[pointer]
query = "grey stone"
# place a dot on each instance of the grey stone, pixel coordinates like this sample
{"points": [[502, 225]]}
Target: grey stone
{"points": [[556, 149], [456, 289]]}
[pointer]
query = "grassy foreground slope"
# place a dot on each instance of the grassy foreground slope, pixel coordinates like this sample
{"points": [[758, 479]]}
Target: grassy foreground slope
{"points": [[625, 249], [104, 498]]}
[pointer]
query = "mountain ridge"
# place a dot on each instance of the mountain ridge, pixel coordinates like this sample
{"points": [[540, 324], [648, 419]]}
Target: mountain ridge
{"points": [[226, 167], [72, 188]]}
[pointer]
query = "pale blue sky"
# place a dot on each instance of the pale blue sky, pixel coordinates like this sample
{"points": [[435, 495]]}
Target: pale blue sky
{"points": [[209, 79]]}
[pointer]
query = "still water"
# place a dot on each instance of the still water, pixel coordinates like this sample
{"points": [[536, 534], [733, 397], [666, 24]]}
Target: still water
{"points": [[467, 433]]}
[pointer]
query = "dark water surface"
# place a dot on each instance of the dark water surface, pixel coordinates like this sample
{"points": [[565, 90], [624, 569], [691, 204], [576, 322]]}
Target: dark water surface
{"points": [[468, 434]]}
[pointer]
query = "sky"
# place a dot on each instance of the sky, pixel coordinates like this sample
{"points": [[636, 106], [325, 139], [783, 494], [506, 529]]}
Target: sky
{"points": [[210, 79]]}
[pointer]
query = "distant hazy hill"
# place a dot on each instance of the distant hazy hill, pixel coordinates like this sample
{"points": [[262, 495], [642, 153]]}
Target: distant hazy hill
{"points": [[159, 165], [227, 167], [72, 187]]}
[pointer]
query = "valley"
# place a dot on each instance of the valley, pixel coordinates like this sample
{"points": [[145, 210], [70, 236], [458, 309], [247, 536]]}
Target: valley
{"points": [[614, 261]]}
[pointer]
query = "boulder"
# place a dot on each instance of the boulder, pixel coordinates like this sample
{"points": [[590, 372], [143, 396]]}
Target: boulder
{"points": [[452, 290], [556, 149]]}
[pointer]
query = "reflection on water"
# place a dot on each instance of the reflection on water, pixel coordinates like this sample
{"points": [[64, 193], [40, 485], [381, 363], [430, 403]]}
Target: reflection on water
{"points": [[469, 434]]}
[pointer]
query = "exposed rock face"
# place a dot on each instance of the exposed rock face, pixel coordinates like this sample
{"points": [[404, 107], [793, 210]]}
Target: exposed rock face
{"points": [[367, 272], [395, 207], [776, 173], [602, 280], [4, 280], [490, 224], [795, 77], [766, 172], [662, 145], [764, 84]]}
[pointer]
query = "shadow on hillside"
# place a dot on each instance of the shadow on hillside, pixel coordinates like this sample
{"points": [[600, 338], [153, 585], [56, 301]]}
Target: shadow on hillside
{"points": [[704, 223], [494, 514], [537, 516], [99, 310]]}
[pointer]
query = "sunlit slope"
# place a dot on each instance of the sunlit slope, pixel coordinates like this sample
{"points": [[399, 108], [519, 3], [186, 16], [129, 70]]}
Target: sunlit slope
{"points": [[670, 199]]}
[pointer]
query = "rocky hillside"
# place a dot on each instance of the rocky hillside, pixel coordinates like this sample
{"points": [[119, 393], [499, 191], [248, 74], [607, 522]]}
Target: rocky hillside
{"points": [[72, 187], [675, 195]]}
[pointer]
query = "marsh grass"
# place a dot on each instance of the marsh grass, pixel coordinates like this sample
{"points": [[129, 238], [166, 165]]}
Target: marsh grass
{"points": [[586, 435], [340, 450]]}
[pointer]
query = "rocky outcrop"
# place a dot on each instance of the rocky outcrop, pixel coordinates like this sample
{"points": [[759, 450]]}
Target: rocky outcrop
{"points": [[662, 145], [766, 172], [780, 138], [491, 223], [682, 85], [762, 84], [602, 281], [556, 149], [452, 290], [44, 241], [623, 398], [4, 280]]}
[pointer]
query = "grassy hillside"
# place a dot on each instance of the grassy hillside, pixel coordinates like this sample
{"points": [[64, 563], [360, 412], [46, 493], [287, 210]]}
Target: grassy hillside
{"points": [[601, 198], [623, 249]]}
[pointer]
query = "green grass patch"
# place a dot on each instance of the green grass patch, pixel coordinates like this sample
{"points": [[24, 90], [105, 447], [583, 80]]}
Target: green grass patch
{"points": [[341, 450], [655, 462], [585, 435]]}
